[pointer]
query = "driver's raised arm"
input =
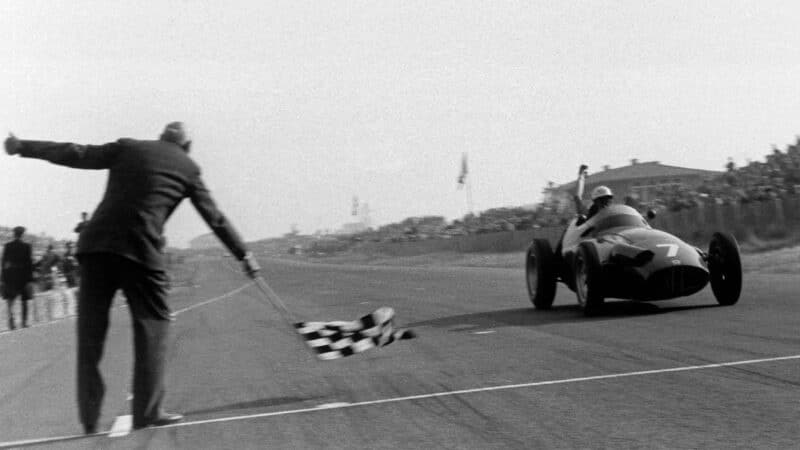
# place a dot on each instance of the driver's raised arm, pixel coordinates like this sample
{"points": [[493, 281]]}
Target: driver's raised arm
{"points": [[580, 208]]}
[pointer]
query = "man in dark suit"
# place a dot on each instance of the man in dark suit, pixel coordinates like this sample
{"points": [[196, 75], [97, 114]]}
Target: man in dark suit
{"points": [[17, 275], [121, 247]]}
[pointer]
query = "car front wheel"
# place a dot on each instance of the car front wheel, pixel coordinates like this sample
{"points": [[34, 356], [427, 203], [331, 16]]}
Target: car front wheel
{"points": [[540, 274], [588, 279], [725, 268]]}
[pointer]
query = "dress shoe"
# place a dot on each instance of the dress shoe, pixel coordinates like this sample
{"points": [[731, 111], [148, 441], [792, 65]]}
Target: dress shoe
{"points": [[90, 429], [164, 418]]}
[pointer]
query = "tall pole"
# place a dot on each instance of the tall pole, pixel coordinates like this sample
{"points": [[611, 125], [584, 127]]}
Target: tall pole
{"points": [[463, 180], [469, 195]]}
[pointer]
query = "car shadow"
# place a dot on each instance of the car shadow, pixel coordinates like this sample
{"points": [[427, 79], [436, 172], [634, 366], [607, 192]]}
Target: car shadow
{"points": [[253, 404], [557, 314]]}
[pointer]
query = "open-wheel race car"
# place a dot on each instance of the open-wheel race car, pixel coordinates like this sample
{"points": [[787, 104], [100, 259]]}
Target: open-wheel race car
{"points": [[617, 254]]}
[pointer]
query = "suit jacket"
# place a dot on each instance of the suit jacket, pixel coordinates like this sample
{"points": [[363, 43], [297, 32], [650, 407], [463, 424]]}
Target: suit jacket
{"points": [[147, 180], [17, 263]]}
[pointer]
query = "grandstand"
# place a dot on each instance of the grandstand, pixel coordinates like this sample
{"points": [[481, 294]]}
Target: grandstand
{"points": [[642, 181]]}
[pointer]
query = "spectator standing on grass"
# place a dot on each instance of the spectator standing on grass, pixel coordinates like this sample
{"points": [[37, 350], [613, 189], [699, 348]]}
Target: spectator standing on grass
{"points": [[17, 275], [121, 247]]}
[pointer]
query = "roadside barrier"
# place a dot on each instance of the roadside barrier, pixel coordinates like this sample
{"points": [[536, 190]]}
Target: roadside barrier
{"points": [[772, 218]]}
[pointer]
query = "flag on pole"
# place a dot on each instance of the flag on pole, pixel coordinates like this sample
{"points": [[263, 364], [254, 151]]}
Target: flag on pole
{"points": [[333, 340], [462, 177]]}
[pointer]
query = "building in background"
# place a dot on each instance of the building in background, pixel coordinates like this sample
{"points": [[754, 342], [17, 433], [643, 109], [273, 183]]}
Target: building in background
{"points": [[639, 180]]}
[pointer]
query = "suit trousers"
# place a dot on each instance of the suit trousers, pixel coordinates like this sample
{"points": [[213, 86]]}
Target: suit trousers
{"points": [[12, 290], [146, 290]]}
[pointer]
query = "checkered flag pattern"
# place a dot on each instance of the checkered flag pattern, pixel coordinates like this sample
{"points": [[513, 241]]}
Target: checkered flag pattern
{"points": [[333, 340]]}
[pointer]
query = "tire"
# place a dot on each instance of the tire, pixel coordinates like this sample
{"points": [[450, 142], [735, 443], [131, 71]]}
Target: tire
{"points": [[588, 279], [725, 268], [540, 274]]}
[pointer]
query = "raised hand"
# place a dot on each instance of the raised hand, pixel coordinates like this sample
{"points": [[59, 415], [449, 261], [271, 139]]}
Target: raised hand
{"points": [[12, 144]]}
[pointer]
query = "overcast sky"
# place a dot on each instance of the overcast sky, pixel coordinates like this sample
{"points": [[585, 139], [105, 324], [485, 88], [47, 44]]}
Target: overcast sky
{"points": [[295, 106]]}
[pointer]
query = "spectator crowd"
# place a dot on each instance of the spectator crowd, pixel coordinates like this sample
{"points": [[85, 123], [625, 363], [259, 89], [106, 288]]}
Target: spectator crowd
{"points": [[53, 260], [777, 177], [33, 263]]}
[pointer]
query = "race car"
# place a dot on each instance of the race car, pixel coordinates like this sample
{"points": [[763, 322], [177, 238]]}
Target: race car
{"points": [[616, 253]]}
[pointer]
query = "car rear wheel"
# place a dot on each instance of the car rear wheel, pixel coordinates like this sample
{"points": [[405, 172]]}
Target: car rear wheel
{"points": [[588, 279], [540, 274], [725, 268]]}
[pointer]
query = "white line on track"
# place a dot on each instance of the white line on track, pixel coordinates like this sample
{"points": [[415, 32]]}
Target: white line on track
{"points": [[205, 302], [333, 405], [122, 426], [330, 406], [50, 440], [121, 423], [175, 313], [343, 405]]}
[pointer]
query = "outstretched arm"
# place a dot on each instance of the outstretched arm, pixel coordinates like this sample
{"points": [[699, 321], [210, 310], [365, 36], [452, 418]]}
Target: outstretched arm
{"points": [[64, 153]]}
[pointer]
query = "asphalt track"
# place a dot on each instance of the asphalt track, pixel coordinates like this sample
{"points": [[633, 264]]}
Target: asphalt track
{"points": [[487, 370]]}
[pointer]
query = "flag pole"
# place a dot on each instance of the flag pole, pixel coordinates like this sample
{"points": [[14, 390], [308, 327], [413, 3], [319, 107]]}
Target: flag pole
{"points": [[469, 195], [274, 300], [463, 180]]}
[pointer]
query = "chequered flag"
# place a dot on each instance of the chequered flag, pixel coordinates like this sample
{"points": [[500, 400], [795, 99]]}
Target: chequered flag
{"points": [[333, 340]]}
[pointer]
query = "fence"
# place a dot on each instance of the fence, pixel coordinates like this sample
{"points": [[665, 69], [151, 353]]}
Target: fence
{"points": [[766, 219]]}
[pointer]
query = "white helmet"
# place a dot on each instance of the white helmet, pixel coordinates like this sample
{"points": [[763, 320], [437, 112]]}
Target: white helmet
{"points": [[601, 191]]}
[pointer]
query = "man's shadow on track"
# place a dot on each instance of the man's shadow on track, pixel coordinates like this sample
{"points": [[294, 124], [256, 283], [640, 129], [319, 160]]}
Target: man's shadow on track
{"points": [[557, 314], [253, 404]]}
